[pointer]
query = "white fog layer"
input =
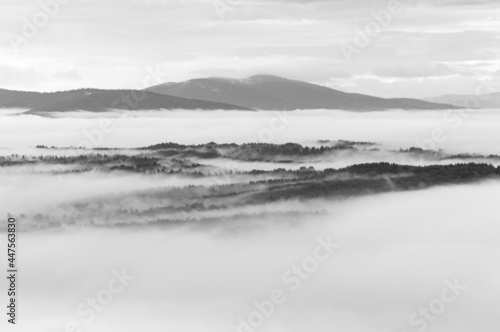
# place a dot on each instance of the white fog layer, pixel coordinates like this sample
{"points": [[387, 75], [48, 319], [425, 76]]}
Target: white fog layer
{"points": [[458, 131], [396, 251], [250, 166]]}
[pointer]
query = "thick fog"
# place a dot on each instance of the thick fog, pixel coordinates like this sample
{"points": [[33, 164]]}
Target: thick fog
{"points": [[455, 130], [394, 254], [27, 193], [396, 251]]}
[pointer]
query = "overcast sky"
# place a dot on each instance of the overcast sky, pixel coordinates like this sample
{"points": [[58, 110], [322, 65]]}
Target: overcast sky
{"points": [[427, 48]]}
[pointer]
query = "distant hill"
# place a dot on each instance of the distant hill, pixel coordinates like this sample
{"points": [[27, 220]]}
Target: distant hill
{"points": [[94, 100], [266, 92], [469, 101]]}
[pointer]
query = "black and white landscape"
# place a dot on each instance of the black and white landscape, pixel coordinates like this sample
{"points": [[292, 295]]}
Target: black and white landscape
{"points": [[245, 166]]}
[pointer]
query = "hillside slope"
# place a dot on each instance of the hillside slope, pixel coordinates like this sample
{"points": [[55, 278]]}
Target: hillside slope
{"points": [[267, 92], [95, 100]]}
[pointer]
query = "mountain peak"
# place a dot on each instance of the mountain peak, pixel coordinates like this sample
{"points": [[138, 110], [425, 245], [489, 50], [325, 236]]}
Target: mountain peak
{"points": [[266, 78], [269, 92]]}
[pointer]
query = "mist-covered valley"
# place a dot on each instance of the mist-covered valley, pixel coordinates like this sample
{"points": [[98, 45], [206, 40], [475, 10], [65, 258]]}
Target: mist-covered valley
{"points": [[457, 131], [171, 183], [207, 229], [250, 166]]}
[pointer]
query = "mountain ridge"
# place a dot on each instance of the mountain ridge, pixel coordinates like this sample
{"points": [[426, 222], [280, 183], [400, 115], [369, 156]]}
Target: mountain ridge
{"points": [[257, 92], [270, 92], [101, 100]]}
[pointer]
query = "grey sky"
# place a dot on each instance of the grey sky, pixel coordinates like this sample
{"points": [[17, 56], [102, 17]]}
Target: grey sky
{"points": [[429, 48]]}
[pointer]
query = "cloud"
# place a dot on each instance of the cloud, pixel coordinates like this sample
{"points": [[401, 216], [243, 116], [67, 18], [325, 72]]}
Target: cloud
{"points": [[423, 70], [20, 77], [71, 74], [477, 132], [396, 252], [298, 39]]}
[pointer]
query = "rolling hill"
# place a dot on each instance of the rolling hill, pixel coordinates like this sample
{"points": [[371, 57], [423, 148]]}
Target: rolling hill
{"points": [[94, 100], [266, 92]]}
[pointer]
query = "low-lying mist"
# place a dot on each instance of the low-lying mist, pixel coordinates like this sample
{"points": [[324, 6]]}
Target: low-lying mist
{"points": [[26, 192], [202, 237], [458, 131], [396, 250]]}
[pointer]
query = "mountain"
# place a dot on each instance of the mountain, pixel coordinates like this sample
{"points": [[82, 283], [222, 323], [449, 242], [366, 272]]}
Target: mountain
{"points": [[266, 92], [469, 101], [94, 100]]}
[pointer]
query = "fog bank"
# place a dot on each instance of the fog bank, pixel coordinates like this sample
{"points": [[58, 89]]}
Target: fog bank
{"points": [[396, 251], [458, 131]]}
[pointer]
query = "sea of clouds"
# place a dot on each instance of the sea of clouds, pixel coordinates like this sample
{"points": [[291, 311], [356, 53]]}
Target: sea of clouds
{"points": [[457, 131], [398, 253]]}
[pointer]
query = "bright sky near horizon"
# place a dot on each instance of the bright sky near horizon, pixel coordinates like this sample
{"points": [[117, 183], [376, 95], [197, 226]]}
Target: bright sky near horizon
{"points": [[421, 48]]}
